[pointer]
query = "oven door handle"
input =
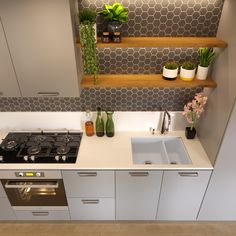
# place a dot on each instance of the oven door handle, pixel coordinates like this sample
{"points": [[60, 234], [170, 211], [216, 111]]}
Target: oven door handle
{"points": [[11, 185]]}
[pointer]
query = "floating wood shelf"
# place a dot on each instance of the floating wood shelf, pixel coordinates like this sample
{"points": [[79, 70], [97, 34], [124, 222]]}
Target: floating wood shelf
{"points": [[172, 42], [142, 80]]}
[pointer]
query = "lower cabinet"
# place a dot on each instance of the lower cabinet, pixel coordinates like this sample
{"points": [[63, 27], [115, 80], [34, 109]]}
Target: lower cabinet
{"points": [[43, 214], [181, 194], [92, 208], [137, 194], [6, 211]]}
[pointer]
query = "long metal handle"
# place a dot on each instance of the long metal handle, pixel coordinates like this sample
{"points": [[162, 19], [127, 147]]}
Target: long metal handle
{"points": [[188, 174], [11, 184], [49, 94], [87, 174], [90, 201], [139, 174], [40, 213]]}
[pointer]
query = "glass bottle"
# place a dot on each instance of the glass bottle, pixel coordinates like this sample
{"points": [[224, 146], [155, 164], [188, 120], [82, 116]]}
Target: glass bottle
{"points": [[89, 128], [110, 129], [99, 123]]}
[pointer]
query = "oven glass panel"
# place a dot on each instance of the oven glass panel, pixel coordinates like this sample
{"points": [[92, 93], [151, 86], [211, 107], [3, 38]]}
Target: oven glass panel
{"points": [[35, 192]]}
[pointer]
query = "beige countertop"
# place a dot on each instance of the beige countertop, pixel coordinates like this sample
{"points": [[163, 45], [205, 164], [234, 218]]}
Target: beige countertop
{"points": [[116, 154]]}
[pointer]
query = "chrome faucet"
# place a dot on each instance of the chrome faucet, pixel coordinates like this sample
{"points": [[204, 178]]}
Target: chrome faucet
{"points": [[165, 128]]}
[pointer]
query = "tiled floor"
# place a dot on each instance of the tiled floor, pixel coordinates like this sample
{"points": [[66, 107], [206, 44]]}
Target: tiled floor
{"points": [[118, 229]]}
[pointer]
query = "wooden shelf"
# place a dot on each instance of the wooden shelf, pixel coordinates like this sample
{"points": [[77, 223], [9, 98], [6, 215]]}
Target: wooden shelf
{"points": [[141, 81], [172, 42]]}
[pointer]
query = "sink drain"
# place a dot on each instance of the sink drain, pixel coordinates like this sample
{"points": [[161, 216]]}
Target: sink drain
{"points": [[148, 162]]}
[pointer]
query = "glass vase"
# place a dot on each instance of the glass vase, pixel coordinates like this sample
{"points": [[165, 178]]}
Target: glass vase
{"points": [[110, 129]]}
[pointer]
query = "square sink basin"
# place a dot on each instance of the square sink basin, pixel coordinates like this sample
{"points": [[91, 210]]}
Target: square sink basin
{"points": [[159, 150]]}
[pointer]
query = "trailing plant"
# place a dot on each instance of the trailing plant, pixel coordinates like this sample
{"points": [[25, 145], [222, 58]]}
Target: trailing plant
{"points": [[172, 65], [206, 55], [188, 65], [88, 43], [115, 12]]}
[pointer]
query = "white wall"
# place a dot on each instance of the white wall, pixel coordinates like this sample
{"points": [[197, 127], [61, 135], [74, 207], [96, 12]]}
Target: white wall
{"points": [[221, 99]]}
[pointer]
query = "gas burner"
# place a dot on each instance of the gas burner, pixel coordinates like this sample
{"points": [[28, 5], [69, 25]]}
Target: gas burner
{"points": [[10, 145], [65, 138], [39, 138], [62, 150], [33, 150]]}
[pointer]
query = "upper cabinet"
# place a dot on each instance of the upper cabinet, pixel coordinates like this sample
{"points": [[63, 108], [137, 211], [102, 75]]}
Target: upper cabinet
{"points": [[9, 86], [42, 46]]}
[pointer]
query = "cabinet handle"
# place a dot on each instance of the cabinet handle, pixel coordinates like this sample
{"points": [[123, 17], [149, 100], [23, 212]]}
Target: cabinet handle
{"points": [[40, 213], [139, 174], [49, 94], [188, 174], [88, 201], [87, 174]]}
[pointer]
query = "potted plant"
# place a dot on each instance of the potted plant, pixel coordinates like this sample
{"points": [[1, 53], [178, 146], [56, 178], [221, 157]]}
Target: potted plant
{"points": [[187, 71], [116, 14], [192, 112], [88, 42], [170, 70], [206, 55]]}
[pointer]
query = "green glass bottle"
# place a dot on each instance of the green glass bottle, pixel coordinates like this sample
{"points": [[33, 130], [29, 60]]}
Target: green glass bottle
{"points": [[99, 123], [110, 129]]}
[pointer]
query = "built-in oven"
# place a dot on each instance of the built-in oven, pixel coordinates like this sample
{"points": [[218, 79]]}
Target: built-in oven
{"points": [[34, 188]]}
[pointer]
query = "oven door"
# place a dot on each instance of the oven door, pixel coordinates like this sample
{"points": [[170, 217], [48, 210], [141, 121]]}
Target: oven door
{"points": [[25, 192]]}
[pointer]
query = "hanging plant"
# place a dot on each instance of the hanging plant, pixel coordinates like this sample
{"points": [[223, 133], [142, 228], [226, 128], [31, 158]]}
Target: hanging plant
{"points": [[88, 43]]}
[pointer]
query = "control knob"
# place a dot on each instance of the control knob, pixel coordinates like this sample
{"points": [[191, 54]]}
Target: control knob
{"points": [[21, 174], [38, 174], [25, 158], [1, 158], [32, 158], [64, 158], [57, 158]]}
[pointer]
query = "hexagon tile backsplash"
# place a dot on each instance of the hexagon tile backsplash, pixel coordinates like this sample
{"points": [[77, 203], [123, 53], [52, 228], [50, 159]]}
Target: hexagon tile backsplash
{"points": [[146, 18]]}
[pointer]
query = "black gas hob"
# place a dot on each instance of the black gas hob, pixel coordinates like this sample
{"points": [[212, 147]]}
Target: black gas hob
{"points": [[40, 147]]}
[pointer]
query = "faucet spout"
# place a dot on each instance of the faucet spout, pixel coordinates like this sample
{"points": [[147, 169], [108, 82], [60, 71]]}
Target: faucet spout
{"points": [[165, 128]]}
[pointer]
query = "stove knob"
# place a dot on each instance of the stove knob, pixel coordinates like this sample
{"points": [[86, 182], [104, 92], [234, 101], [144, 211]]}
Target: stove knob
{"points": [[1, 158], [57, 158], [25, 158], [64, 158], [32, 158]]}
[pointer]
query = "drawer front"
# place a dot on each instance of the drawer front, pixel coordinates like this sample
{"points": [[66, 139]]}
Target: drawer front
{"points": [[89, 183], [42, 215], [92, 208]]}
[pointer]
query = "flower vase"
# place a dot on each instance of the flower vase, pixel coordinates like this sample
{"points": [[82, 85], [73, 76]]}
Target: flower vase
{"points": [[190, 134]]}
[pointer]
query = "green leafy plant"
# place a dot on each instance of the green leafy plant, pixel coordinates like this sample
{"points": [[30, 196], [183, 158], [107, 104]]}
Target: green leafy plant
{"points": [[88, 43], [188, 65], [172, 65], [206, 55], [115, 12], [87, 15]]}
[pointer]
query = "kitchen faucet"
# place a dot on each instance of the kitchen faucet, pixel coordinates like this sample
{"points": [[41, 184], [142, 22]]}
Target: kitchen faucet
{"points": [[165, 128]]}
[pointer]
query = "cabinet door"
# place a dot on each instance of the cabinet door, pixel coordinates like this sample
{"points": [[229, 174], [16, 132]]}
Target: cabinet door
{"points": [[40, 38], [2, 191], [181, 194], [6, 211], [9, 86], [89, 183], [92, 208], [137, 194]]}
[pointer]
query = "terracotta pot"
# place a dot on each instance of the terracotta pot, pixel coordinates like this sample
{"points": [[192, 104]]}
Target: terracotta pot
{"points": [[190, 134]]}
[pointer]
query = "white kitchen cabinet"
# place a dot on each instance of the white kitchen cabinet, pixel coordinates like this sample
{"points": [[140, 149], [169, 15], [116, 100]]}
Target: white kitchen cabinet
{"points": [[6, 211], [9, 85], [89, 183], [92, 208], [42, 46], [45, 214], [2, 191], [181, 194], [137, 194], [90, 194]]}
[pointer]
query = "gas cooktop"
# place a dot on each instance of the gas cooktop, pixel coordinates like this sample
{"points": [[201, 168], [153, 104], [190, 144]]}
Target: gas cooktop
{"points": [[40, 147]]}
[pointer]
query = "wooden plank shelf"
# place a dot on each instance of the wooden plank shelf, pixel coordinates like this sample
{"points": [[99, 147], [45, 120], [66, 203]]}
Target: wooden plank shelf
{"points": [[141, 81], [170, 42]]}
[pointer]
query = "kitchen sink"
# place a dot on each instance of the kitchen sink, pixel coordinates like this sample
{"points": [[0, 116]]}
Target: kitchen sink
{"points": [[159, 150]]}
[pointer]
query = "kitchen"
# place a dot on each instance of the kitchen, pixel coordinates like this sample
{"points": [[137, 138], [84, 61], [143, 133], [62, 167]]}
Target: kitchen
{"points": [[33, 113]]}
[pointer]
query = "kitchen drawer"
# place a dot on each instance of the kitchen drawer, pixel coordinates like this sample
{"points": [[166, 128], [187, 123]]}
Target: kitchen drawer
{"points": [[42, 214], [2, 191], [92, 208], [89, 183]]}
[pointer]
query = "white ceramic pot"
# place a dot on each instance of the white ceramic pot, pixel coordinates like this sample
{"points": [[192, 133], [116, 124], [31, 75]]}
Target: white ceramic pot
{"points": [[202, 72], [169, 74], [187, 75]]}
